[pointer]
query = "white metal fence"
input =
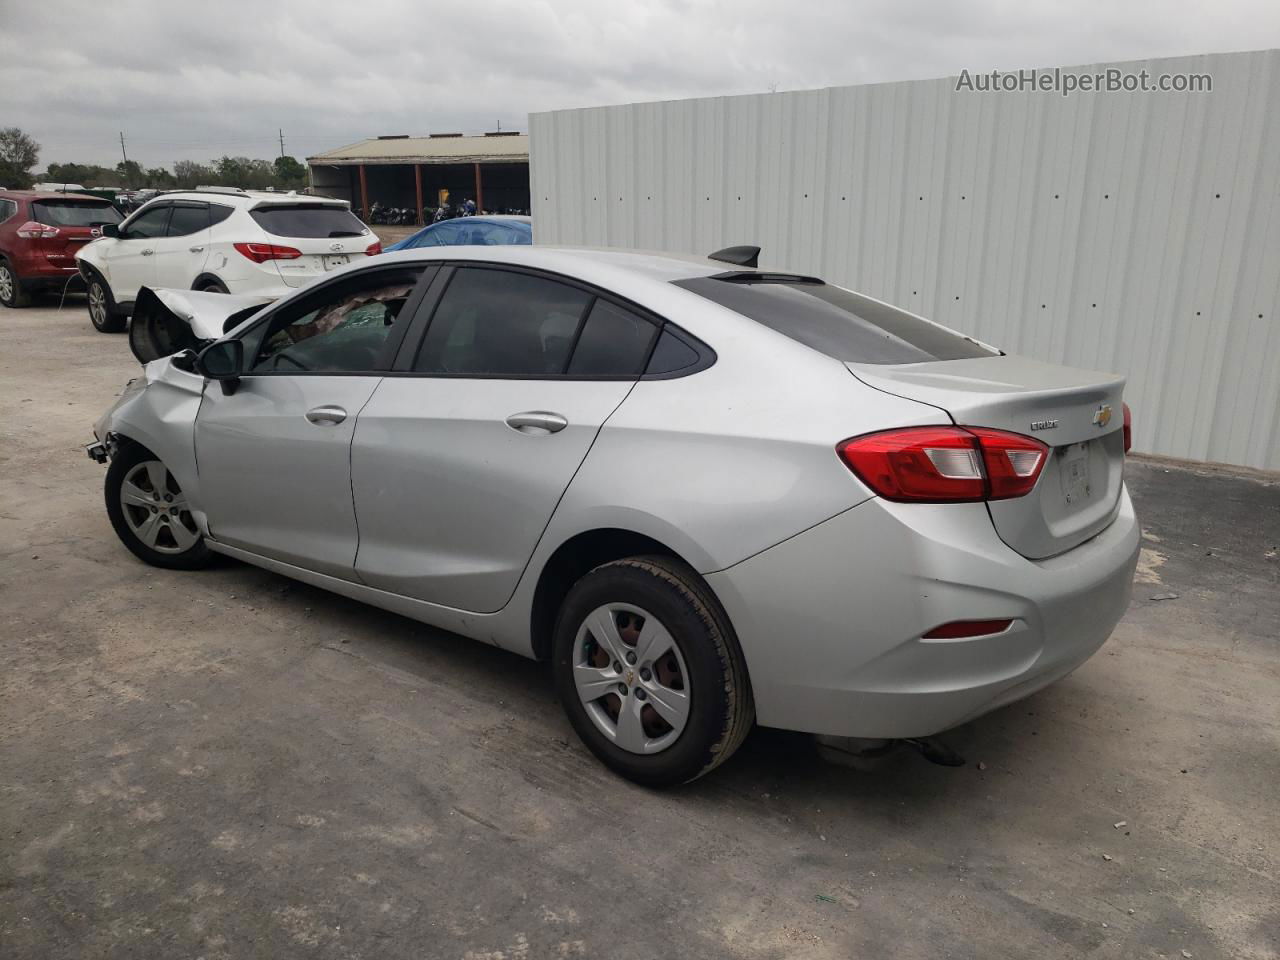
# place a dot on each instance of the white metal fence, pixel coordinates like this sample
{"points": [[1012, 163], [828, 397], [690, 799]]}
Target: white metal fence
{"points": [[1133, 232]]}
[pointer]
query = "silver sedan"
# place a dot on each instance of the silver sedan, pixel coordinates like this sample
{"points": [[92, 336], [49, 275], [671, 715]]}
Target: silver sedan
{"points": [[709, 494]]}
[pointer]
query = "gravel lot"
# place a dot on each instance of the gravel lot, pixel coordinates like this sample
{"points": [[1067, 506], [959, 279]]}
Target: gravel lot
{"points": [[228, 764]]}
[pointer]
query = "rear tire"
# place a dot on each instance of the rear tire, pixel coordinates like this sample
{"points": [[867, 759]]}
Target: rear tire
{"points": [[611, 686], [11, 293], [150, 512], [103, 312]]}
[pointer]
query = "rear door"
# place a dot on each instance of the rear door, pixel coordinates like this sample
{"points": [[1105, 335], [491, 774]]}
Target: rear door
{"points": [[275, 455], [461, 456], [181, 254], [78, 221], [325, 235]]}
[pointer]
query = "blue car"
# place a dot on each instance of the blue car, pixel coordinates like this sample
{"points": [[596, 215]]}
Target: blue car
{"points": [[480, 231]]}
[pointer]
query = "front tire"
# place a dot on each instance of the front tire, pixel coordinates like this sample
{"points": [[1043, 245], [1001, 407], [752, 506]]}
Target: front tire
{"points": [[11, 293], [103, 313], [649, 671], [150, 513]]}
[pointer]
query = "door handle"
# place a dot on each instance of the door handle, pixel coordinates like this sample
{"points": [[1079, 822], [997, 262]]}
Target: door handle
{"points": [[147, 252], [327, 415], [537, 423], [195, 249]]}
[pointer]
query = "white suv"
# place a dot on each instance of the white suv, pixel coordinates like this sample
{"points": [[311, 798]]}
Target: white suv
{"points": [[219, 240]]}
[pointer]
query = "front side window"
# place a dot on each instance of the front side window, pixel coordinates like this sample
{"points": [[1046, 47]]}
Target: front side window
{"points": [[150, 223], [188, 218], [342, 329], [502, 323], [835, 321], [74, 213]]}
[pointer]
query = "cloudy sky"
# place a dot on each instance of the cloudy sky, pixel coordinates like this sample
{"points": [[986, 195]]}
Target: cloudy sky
{"points": [[197, 80]]}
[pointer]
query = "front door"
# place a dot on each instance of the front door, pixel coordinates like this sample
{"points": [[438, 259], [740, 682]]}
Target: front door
{"points": [[131, 258], [274, 456], [180, 256], [460, 459]]}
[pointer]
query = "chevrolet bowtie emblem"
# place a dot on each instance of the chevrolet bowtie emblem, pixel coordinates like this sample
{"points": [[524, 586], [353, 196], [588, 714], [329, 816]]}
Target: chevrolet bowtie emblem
{"points": [[1102, 416]]}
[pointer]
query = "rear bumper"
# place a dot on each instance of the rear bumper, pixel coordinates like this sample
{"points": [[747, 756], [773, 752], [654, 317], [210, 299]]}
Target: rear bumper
{"points": [[831, 620], [39, 270]]}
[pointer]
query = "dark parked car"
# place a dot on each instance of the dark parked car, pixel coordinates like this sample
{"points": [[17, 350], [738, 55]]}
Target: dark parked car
{"points": [[39, 236]]}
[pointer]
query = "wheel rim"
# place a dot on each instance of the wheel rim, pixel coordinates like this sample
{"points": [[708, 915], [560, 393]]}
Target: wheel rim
{"points": [[156, 510], [6, 285], [631, 678], [97, 304]]}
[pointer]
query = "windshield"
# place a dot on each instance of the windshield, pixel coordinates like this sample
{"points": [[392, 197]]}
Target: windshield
{"points": [[74, 213]]}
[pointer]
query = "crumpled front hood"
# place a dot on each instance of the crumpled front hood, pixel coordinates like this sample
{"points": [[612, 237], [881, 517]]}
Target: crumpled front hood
{"points": [[206, 313]]}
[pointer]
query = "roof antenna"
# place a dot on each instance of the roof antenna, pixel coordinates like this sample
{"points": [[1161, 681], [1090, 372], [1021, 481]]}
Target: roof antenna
{"points": [[738, 256]]}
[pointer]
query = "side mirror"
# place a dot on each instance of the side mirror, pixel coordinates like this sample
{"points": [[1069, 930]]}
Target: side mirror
{"points": [[111, 230], [222, 361]]}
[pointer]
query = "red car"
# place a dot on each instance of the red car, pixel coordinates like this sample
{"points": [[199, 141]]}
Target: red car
{"points": [[39, 236]]}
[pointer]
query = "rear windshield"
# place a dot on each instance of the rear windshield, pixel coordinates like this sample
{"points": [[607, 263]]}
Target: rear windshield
{"points": [[308, 220], [74, 213], [838, 322]]}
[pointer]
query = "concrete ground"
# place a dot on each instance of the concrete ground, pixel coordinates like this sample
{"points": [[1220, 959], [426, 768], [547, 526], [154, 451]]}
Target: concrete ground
{"points": [[228, 764]]}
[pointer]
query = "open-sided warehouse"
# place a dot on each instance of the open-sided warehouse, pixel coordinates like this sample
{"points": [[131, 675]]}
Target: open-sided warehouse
{"points": [[411, 172], [1137, 232]]}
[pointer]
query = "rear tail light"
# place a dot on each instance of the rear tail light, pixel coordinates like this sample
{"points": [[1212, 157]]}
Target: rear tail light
{"points": [[262, 252], [374, 249], [945, 464], [1128, 428], [963, 629], [33, 231]]}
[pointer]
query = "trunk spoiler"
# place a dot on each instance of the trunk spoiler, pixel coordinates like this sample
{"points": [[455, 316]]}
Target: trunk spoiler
{"points": [[166, 322]]}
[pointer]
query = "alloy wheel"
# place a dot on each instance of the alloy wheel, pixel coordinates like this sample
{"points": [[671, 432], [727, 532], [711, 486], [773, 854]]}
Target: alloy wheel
{"points": [[7, 285], [156, 509], [97, 304], [631, 677]]}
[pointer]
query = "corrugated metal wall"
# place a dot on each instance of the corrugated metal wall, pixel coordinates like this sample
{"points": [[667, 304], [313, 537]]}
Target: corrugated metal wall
{"points": [[1137, 233]]}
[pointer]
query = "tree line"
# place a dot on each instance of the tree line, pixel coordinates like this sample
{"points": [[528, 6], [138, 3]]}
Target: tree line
{"points": [[19, 154]]}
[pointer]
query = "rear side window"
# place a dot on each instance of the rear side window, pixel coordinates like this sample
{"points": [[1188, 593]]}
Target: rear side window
{"points": [[218, 213], [835, 321], [614, 343], [307, 220], [74, 213], [502, 323], [7, 209], [188, 219]]}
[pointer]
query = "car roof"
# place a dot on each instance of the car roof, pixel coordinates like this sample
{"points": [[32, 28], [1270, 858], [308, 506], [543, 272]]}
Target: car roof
{"points": [[245, 198], [589, 263], [50, 195]]}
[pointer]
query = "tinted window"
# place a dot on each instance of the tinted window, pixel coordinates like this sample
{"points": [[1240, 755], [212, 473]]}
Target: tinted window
{"points": [[341, 329], [74, 213], [439, 235], [500, 323], [671, 355], [614, 342], [838, 322], [7, 209], [187, 220], [308, 220], [150, 223], [218, 213]]}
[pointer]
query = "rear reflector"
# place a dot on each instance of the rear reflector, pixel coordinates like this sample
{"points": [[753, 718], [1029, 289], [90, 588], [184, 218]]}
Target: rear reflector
{"points": [[262, 252], [32, 230], [959, 629], [945, 464], [1128, 428]]}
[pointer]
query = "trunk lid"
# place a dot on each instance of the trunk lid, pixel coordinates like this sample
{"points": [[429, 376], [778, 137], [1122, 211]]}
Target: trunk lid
{"points": [[78, 221], [328, 235], [1078, 413]]}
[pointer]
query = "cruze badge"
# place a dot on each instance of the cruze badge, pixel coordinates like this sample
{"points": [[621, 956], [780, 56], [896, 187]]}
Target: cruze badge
{"points": [[1044, 424], [1102, 416]]}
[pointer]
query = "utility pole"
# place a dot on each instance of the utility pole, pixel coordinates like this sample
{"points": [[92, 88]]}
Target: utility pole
{"points": [[281, 129], [122, 153]]}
